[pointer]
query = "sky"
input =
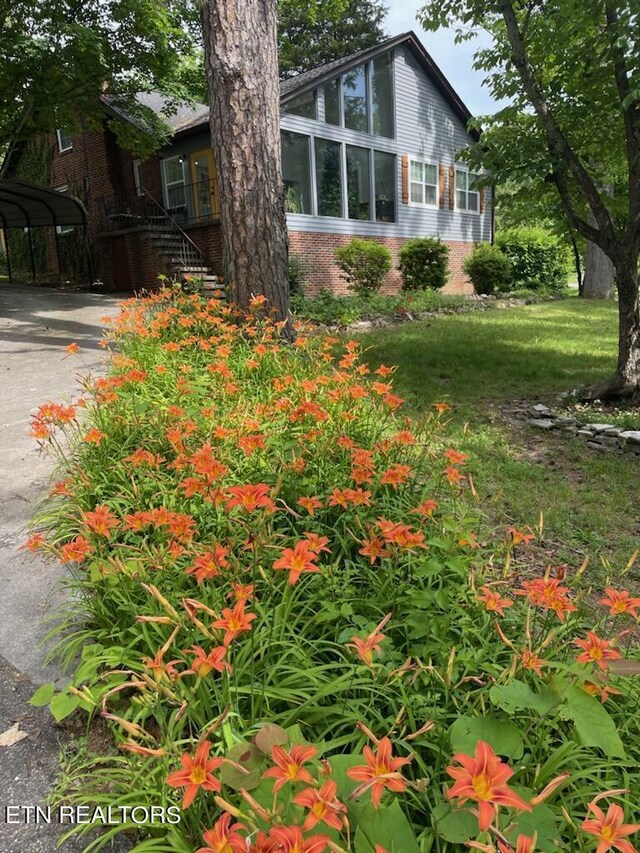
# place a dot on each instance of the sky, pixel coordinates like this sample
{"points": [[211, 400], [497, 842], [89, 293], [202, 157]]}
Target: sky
{"points": [[455, 60]]}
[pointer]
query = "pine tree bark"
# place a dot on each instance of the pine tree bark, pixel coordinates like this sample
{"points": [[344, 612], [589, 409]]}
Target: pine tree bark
{"points": [[242, 75]]}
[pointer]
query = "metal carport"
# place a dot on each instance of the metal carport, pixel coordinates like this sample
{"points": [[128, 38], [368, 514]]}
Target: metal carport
{"points": [[25, 205]]}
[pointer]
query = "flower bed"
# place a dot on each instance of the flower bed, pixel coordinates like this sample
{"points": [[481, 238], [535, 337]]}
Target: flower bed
{"points": [[284, 611]]}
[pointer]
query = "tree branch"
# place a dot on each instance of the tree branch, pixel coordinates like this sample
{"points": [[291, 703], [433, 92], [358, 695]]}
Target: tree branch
{"points": [[630, 112], [564, 156]]}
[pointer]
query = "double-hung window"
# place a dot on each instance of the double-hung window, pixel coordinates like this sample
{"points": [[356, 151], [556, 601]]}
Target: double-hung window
{"points": [[65, 142], [174, 182], [424, 183], [467, 194]]}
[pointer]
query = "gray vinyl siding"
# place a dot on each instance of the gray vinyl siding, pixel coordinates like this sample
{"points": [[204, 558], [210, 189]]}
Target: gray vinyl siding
{"points": [[426, 129]]}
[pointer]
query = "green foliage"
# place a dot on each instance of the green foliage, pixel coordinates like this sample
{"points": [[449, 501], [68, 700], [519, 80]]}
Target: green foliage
{"points": [[539, 259], [489, 269], [58, 58], [310, 34], [424, 264], [364, 264], [296, 274], [329, 309]]}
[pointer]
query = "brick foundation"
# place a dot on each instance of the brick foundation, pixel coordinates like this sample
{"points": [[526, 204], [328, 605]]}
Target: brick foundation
{"points": [[320, 270]]}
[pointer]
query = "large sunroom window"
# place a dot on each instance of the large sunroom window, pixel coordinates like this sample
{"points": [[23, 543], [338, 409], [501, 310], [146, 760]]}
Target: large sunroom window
{"points": [[327, 178]]}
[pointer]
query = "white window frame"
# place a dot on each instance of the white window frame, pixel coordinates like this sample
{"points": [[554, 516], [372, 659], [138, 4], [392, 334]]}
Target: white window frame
{"points": [[62, 148], [64, 229], [468, 174], [424, 184], [168, 184], [137, 177]]}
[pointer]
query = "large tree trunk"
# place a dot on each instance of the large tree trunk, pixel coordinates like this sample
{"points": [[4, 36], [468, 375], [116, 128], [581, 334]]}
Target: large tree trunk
{"points": [[598, 270], [626, 381], [242, 75], [598, 274]]}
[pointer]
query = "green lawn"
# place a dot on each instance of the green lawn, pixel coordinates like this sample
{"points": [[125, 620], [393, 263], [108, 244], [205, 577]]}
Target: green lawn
{"points": [[482, 363]]}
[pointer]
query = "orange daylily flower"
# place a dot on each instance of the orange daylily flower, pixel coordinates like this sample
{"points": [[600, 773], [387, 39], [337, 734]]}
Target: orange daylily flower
{"points": [[209, 564], [596, 650], [483, 778], [301, 558], [196, 773], [234, 622], [366, 646], [455, 457], [519, 537], [373, 548], [610, 829], [395, 475], [35, 543], [310, 504], [620, 602], [426, 508], [72, 349], [289, 839], [76, 551], [524, 844], [289, 765], [381, 771], [549, 594], [94, 436], [101, 520], [530, 660], [224, 838], [323, 806], [493, 601], [203, 663], [251, 497]]}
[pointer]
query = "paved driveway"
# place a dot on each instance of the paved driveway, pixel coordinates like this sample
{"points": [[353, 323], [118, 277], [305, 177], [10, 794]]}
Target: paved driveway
{"points": [[36, 325]]}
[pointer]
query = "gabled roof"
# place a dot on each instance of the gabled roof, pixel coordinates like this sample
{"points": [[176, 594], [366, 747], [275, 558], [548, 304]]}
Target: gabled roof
{"points": [[184, 119], [177, 115], [316, 76]]}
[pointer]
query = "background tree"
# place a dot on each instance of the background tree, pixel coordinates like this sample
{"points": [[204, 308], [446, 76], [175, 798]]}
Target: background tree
{"points": [[312, 33], [574, 65], [59, 57], [244, 95]]}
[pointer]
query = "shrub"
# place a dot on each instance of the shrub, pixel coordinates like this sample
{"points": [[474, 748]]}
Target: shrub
{"points": [[540, 260], [330, 309], [364, 264], [488, 268], [296, 275], [424, 264]]}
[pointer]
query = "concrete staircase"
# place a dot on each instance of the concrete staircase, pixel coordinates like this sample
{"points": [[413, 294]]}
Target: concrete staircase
{"points": [[183, 259]]}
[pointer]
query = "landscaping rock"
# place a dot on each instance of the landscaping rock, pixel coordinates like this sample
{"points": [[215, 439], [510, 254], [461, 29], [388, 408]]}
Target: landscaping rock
{"points": [[541, 423], [566, 421], [585, 432], [594, 445], [632, 436], [540, 409], [600, 427]]}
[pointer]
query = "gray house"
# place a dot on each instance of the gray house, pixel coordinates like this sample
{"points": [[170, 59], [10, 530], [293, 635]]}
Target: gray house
{"points": [[369, 148]]}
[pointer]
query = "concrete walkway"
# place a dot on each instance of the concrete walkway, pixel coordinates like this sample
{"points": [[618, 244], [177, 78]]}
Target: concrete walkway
{"points": [[36, 324]]}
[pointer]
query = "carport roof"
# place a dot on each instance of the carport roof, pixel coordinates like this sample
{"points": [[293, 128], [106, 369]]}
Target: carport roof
{"points": [[26, 205]]}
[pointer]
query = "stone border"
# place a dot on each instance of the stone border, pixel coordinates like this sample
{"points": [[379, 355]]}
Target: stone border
{"points": [[598, 436]]}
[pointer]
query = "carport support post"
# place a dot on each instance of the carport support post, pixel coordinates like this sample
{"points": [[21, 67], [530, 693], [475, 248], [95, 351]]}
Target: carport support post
{"points": [[5, 232], [32, 255], [56, 238]]}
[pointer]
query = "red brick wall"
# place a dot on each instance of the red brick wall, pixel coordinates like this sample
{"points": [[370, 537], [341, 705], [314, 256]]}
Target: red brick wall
{"points": [[96, 169], [320, 271], [208, 238]]}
